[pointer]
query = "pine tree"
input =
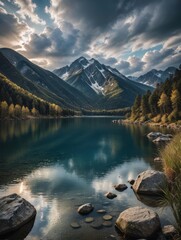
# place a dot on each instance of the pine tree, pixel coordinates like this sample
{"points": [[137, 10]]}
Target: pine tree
{"points": [[135, 111], [153, 102]]}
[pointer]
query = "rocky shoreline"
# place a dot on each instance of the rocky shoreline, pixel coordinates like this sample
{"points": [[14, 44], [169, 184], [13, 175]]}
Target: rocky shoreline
{"points": [[132, 223], [171, 126]]}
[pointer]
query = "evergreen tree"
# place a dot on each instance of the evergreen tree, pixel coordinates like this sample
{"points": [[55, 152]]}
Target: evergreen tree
{"points": [[153, 102], [145, 109], [135, 111]]}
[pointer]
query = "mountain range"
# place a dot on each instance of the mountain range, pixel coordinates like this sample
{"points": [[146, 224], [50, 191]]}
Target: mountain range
{"points": [[85, 84], [154, 77], [104, 85]]}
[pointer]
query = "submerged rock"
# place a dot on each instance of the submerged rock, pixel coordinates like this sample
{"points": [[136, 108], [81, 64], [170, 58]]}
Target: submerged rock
{"points": [[107, 217], [138, 222], [110, 195], [149, 182], [107, 224], [97, 224], [75, 225], [15, 211], [120, 187], [85, 208], [89, 219], [101, 211]]}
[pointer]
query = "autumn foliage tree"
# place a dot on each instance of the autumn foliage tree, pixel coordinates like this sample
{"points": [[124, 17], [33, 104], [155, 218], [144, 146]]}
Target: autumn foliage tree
{"points": [[163, 104]]}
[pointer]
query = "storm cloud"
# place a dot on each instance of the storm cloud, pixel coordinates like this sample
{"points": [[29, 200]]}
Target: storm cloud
{"points": [[131, 35]]}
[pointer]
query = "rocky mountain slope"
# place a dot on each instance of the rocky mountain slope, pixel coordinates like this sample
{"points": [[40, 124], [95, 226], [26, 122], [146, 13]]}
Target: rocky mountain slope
{"points": [[153, 77], [102, 84], [40, 82]]}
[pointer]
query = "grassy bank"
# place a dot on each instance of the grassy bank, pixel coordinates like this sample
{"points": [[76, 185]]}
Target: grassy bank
{"points": [[171, 156]]}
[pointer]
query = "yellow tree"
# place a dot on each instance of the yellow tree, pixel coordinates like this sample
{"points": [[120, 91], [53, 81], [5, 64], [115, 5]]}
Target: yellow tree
{"points": [[34, 112], [17, 111], [3, 109], [176, 100], [163, 102], [11, 110]]}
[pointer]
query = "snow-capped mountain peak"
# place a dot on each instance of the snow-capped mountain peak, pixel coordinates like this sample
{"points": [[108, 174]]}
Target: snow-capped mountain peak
{"points": [[153, 77]]}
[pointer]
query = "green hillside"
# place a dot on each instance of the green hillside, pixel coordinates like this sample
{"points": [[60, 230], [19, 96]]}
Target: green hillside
{"points": [[15, 102]]}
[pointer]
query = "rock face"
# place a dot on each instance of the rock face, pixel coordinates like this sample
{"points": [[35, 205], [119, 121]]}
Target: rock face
{"points": [[149, 182], [14, 213], [120, 187], [85, 208], [138, 222], [110, 195]]}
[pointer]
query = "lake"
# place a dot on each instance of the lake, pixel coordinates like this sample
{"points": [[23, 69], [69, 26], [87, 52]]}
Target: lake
{"points": [[60, 164]]}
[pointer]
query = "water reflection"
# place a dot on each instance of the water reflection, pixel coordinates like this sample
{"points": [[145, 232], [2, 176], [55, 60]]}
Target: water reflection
{"points": [[58, 165]]}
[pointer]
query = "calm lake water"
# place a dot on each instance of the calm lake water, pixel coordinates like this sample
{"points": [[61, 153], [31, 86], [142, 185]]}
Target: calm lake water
{"points": [[58, 165]]}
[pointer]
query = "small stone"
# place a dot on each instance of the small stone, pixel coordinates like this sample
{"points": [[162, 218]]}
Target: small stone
{"points": [[110, 195], [169, 231], [120, 187], [106, 203], [101, 211], [89, 219], [131, 181], [75, 225], [107, 224], [112, 236], [157, 159], [85, 208], [107, 217], [97, 224]]}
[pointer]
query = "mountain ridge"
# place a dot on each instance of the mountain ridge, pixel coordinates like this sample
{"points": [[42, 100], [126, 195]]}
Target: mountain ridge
{"points": [[154, 76], [99, 82]]}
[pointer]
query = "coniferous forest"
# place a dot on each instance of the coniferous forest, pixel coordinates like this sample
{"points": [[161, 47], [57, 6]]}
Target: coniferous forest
{"points": [[162, 105]]}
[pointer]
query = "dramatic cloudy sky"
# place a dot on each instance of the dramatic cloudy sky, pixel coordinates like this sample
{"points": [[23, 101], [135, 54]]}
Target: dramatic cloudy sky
{"points": [[132, 35]]}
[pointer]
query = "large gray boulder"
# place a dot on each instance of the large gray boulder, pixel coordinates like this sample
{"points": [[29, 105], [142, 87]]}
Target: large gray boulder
{"points": [[15, 211], [150, 182], [138, 222]]}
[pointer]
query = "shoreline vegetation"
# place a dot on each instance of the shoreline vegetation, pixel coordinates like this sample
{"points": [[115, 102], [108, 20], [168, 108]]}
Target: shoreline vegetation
{"points": [[171, 156]]}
